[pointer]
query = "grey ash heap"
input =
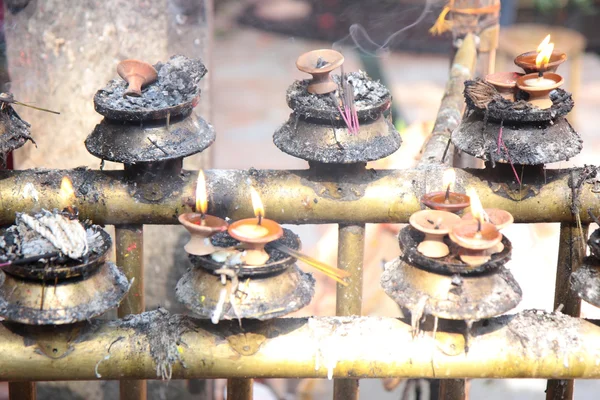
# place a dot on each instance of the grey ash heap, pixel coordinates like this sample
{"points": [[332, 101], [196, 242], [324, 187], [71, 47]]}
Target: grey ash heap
{"points": [[54, 249], [316, 130], [159, 125], [497, 130], [178, 84]]}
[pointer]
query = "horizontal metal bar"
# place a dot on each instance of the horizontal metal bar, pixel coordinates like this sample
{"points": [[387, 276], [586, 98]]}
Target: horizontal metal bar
{"points": [[532, 344], [295, 197]]}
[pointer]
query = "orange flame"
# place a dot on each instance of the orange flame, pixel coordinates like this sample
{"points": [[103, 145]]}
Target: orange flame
{"points": [[67, 194], [476, 207], [259, 209], [449, 178], [201, 196], [544, 50]]}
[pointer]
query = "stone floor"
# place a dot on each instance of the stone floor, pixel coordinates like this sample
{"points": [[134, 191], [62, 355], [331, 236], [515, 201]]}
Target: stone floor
{"points": [[249, 105]]}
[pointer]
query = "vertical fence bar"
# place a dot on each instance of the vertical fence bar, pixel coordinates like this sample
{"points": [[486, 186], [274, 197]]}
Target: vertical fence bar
{"points": [[21, 390], [130, 258], [351, 249], [239, 389], [453, 389], [571, 250]]}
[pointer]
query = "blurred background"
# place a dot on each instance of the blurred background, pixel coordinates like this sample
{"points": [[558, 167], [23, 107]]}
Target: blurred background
{"points": [[57, 53]]}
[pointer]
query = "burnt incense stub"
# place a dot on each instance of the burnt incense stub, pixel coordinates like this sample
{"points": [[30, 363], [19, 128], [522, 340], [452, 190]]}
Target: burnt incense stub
{"points": [[152, 141], [316, 130], [175, 92], [586, 281]]}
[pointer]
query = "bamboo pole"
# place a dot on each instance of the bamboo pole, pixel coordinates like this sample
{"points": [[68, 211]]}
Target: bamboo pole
{"points": [[349, 347], [453, 103], [129, 246], [294, 197], [571, 250], [351, 246]]}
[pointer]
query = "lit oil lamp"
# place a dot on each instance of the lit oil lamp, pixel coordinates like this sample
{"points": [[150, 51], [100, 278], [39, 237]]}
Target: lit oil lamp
{"points": [[255, 233], [539, 84], [201, 225], [475, 236], [505, 83], [527, 61], [446, 200], [500, 218], [319, 63], [435, 225]]}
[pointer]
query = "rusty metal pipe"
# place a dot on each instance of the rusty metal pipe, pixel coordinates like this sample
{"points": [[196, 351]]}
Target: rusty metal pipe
{"points": [[296, 197], [239, 389], [285, 348], [571, 250], [351, 249], [21, 391], [129, 241]]}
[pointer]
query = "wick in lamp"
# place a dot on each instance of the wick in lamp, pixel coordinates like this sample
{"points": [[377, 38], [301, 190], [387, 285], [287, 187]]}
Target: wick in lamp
{"points": [[446, 200], [255, 233], [201, 225]]}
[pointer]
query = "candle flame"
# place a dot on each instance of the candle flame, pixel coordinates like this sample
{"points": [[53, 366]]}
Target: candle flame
{"points": [[67, 194], [476, 206], [449, 178], [201, 196], [259, 209], [544, 50], [543, 44]]}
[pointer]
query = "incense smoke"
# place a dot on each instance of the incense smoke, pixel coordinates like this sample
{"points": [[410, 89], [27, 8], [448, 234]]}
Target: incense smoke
{"points": [[358, 38]]}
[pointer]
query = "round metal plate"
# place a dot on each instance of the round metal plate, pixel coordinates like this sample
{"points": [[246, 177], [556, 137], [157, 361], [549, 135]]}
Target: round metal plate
{"points": [[409, 238]]}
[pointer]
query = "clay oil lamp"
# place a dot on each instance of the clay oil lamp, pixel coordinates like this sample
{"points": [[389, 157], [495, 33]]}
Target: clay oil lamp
{"points": [[539, 84], [435, 225], [319, 63], [505, 83], [527, 61], [500, 218], [446, 200], [201, 225], [137, 74], [255, 233], [475, 237]]}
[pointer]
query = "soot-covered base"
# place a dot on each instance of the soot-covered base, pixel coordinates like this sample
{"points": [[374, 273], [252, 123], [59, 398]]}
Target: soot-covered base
{"points": [[262, 297], [586, 281], [64, 302], [330, 143], [527, 144], [456, 297]]}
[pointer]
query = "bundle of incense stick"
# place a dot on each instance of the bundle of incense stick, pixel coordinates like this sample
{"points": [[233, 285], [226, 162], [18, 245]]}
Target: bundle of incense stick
{"points": [[347, 109], [332, 272]]}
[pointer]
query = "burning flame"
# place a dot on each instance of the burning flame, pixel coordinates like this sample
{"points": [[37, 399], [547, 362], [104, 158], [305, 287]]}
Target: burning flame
{"points": [[201, 196], [67, 194], [449, 178], [544, 53], [476, 207], [259, 209]]}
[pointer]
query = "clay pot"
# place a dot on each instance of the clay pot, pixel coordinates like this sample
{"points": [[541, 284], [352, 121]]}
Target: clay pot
{"points": [[255, 239], [435, 225], [505, 83], [527, 61], [475, 241], [436, 201]]}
